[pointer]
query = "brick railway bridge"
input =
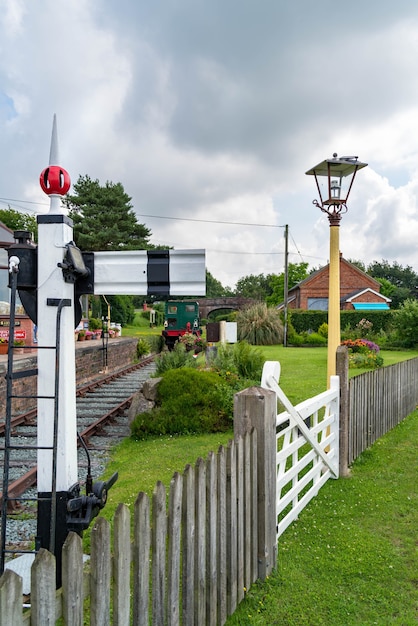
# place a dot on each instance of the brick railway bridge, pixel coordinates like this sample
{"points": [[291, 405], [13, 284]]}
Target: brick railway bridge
{"points": [[208, 305]]}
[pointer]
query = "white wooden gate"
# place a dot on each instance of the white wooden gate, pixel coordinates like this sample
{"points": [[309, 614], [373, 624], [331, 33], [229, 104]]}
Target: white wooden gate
{"points": [[307, 445]]}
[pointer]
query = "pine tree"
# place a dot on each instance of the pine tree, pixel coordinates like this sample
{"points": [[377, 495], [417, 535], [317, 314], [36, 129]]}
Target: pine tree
{"points": [[104, 219]]}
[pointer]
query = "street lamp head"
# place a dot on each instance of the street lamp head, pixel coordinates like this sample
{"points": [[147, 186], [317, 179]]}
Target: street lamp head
{"points": [[335, 170]]}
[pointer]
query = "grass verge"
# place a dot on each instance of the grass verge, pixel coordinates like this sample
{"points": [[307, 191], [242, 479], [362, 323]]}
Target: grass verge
{"points": [[351, 557]]}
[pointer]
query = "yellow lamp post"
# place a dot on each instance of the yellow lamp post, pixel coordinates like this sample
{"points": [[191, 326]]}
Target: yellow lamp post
{"points": [[335, 170]]}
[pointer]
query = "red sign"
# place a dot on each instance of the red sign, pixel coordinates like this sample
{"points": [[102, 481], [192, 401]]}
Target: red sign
{"points": [[19, 334]]}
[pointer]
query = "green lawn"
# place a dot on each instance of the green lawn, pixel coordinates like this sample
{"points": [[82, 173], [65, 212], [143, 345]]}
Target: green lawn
{"points": [[304, 370], [141, 329], [351, 558]]}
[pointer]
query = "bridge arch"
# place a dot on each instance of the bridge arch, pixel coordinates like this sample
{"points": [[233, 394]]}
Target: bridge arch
{"points": [[208, 305]]}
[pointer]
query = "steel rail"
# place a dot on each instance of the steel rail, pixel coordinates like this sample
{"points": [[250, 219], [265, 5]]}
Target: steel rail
{"points": [[28, 480], [30, 416]]}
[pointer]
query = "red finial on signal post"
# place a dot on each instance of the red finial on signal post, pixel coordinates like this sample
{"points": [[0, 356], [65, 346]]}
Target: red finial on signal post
{"points": [[55, 180]]}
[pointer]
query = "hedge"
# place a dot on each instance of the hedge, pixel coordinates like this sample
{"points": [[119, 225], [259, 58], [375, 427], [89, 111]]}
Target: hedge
{"points": [[305, 321]]}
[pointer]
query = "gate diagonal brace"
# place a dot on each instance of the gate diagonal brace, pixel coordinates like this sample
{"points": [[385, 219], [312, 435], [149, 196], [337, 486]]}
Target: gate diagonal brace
{"points": [[270, 380]]}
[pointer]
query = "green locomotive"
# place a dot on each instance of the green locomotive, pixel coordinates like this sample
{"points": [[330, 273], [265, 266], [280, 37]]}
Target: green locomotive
{"points": [[180, 317]]}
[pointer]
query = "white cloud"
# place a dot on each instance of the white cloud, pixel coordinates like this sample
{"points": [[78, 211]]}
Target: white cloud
{"points": [[215, 111]]}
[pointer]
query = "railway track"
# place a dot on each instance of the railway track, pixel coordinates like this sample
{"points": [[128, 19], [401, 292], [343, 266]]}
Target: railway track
{"points": [[101, 422]]}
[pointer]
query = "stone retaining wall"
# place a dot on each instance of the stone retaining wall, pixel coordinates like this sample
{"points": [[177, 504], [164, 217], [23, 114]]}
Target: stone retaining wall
{"points": [[89, 366]]}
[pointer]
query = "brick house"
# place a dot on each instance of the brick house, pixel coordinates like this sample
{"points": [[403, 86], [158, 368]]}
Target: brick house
{"points": [[358, 290]]}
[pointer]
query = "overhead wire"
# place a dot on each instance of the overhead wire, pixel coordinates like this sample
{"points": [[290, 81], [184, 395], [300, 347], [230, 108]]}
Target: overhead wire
{"points": [[192, 219], [7, 200]]}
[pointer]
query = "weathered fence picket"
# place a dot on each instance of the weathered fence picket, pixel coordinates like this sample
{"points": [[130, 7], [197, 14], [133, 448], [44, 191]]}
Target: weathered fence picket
{"points": [[11, 598], [221, 536], [188, 543], [72, 581], [231, 529], [241, 524], [141, 573], [100, 573], [159, 537], [200, 554], [43, 588], [174, 563], [211, 539], [122, 566]]}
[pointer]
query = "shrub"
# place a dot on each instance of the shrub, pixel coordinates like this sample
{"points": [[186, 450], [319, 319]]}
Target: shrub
{"points": [[405, 321], [221, 359], [144, 315], [142, 348], [314, 339], [295, 340], [122, 308], [95, 323], [249, 361], [307, 339], [364, 327], [368, 360], [174, 359], [260, 325], [188, 401], [292, 335], [241, 359], [157, 343], [323, 330]]}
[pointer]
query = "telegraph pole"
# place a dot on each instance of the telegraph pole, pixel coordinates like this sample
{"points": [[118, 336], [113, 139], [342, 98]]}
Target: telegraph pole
{"points": [[286, 281]]}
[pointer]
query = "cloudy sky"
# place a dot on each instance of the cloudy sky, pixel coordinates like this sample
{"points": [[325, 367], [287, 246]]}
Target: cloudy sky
{"points": [[210, 112]]}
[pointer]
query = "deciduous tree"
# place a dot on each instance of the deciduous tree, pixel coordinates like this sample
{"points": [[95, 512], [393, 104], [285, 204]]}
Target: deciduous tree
{"points": [[296, 273], [214, 288], [15, 220], [257, 287]]}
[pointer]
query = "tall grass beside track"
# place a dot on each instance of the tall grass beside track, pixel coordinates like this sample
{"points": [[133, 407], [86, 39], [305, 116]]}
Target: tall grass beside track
{"points": [[351, 557]]}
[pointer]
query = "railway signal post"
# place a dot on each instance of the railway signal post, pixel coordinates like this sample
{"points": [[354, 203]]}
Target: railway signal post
{"points": [[52, 302], [57, 432]]}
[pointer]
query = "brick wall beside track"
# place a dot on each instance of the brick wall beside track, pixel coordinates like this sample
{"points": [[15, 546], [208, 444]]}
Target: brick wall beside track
{"points": [[89, 366]]}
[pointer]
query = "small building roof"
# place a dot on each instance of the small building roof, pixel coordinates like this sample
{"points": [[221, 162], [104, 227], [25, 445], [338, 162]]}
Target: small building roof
{"points": [[6, 235], [361, 292]]}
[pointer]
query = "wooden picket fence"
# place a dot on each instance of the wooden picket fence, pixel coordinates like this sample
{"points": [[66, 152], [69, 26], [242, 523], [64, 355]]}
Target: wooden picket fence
{"points": [[378, 401], [189, 555], [193, 554]]}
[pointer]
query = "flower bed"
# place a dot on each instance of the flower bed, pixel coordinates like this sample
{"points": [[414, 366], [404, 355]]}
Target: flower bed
{"points": [[193, 342], [363, 353]]}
